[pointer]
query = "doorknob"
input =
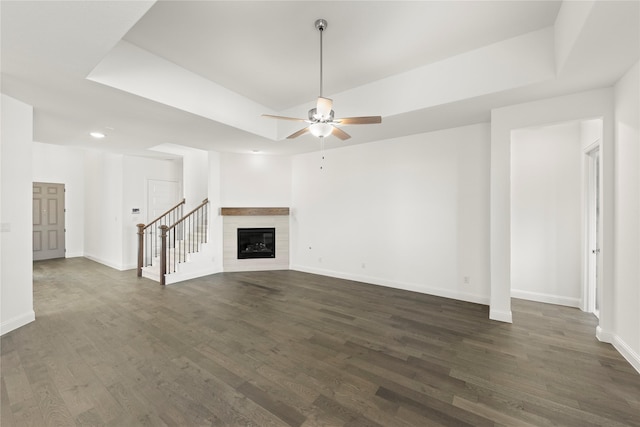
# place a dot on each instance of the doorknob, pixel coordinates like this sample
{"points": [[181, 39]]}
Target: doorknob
{"points": [[595, 251]]}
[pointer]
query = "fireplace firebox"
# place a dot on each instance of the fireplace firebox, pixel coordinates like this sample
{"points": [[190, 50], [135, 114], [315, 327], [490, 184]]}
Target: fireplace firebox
{"points": [[256, 243]]}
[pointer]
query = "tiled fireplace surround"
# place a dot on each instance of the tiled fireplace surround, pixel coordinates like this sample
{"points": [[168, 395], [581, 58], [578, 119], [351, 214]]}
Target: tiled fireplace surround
{"points": [[234, 218]]}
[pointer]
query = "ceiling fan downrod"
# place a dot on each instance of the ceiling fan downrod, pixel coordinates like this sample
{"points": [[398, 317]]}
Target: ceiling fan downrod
{"points": [[321, 24]]}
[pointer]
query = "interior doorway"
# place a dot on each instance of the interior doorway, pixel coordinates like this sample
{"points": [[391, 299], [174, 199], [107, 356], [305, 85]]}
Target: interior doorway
{"points": [[546, 210], [556, 214], [593, 235], [48, 221]]}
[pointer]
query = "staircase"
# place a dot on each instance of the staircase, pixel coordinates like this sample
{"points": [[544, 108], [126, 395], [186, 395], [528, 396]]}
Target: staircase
{"points": [[175, 247]]}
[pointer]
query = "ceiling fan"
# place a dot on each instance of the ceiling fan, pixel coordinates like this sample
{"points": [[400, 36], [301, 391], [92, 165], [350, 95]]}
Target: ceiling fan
{"points": [[321, 119]]}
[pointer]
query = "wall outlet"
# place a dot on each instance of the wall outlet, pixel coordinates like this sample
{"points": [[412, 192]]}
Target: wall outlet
{"points": [[466, 280], [364, 265]]}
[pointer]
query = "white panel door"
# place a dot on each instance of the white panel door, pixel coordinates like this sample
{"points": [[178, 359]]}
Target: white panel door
{"points": [[161, 196], [48, 221]]}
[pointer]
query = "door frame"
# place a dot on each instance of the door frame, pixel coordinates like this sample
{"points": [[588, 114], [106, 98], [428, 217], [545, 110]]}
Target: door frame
{"points": [[592, 239]]}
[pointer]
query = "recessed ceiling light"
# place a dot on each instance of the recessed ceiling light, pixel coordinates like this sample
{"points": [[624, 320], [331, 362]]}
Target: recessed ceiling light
{"points": [[97, 135]]}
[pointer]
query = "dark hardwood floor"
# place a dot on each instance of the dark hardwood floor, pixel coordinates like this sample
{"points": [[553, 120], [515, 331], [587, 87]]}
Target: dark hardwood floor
{"points": [[286, 348]]}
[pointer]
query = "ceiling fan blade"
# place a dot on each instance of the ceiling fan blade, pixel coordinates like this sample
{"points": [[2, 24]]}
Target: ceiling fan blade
{"points": [[366, 120], [323, 107], [298, 133], [337, 132], [295, 119]]}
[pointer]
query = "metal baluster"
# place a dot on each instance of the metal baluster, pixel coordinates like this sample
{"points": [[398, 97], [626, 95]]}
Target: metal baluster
{"points": [[163, 258]]}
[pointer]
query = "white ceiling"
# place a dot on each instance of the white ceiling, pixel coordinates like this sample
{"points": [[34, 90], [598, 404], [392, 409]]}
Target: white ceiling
{"points": [[200, 73]]}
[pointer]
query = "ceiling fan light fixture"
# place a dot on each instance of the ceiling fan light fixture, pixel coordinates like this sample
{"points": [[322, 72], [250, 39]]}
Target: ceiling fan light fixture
{"points": [[323, 108], [321, 118], [315, 116], [97, 135], [320, 129]]}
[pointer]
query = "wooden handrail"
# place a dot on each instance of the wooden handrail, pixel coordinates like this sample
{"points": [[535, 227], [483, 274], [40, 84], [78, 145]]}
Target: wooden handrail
{"points": [[164, 214], [204, 202]]}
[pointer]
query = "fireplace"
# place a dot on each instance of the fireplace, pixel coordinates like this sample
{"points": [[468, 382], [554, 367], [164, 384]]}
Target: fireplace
{"points": [[256, 243], [274, 219]]}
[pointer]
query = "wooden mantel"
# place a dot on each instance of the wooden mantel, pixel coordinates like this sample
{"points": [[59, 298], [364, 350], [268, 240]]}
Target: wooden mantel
{"points": [[253, 211]]}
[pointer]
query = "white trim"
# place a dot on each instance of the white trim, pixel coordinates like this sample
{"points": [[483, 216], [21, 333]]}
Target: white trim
{"points": [[627, 352], [177, 277], [130, 266], [595, 145], [546, 298], [589, 264], [501, 315], [17, 322], [604, 336], [73, 255], [621, 346], [107, 263], [413, 287]]}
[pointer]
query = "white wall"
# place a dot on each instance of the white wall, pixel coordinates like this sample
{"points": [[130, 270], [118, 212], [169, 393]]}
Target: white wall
{"points": [[64, 165], [255, 180], [627, 216], [104, 208], [410, 213], [195, 164], [546, 233], [114, 185], [16, 253], [215, 220], [137, 171]]}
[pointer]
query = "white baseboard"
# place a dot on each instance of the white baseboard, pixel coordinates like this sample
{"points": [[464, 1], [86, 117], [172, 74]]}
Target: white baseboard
{"points": [[413, 287], [17, 322], [500, 315], [604, 336], [130, 266], [105, 262], [627, 352], [181, 277], [73, 254], [546, 298]]}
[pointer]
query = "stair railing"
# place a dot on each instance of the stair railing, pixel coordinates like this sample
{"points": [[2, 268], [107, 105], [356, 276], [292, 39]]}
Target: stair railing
{"points": [[149, 235], [182, 238]]}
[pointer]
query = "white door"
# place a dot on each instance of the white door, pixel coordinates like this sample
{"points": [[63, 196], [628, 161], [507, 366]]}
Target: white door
{"points": [[594, 233], [48, 221], [161, 196]]}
